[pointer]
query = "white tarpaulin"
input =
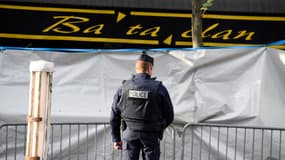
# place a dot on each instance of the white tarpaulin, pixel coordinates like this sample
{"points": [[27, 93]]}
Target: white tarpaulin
{"points": [[234, 85], [217, 85]]}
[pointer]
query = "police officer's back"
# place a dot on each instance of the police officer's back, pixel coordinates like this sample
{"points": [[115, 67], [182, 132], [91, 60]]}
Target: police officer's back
{"points": [[144, 106]]}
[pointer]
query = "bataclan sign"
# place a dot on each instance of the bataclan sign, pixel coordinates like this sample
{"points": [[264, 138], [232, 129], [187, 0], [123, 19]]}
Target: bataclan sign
{"points": [[34, 25]]}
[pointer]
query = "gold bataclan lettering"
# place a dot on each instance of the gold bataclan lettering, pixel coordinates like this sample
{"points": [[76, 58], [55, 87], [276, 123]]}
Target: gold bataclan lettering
{"points": [[187, 34], [70, 24], [153, 32], [97, 29], [74, 24], [226, 34], [132, 29], [244, 33], [208, 30], [139, 30]]}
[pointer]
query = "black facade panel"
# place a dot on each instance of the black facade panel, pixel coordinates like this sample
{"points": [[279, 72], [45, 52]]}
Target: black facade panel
{"points": [[248, 6]]}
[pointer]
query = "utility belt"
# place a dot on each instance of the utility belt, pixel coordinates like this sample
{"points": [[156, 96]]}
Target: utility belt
{"points": [[142, 125]]}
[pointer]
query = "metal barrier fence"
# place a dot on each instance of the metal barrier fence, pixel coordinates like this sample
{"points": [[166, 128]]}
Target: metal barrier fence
{"points": [[74, 141], [225, 142], [85, 141]]}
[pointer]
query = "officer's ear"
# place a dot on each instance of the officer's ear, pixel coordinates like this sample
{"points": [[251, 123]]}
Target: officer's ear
{"points": [[150, 68]]}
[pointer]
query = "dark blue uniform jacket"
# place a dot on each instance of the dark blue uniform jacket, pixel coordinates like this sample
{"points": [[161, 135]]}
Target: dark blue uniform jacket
{"points": [[164, 100]]}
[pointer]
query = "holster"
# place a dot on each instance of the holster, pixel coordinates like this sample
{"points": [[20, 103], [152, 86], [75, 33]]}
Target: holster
{"points": [[160, 136], [123, 124]]}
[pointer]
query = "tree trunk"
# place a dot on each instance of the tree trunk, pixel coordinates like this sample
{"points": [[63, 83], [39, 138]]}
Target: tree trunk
{"points": [[197, 24]]}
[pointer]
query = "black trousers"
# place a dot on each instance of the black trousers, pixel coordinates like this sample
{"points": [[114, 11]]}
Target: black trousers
{"points": [[135, 142]]}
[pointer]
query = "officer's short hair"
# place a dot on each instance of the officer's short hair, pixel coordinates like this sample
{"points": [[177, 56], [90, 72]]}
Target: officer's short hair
{"points": [[146, 58]]}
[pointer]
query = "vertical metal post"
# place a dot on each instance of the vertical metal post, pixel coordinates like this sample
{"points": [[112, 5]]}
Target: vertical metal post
{"points": [[69, 142], [253, 142], [104, 143], [192, 141], [60, 144], [164, 153], [96, 134], [39, 110], [201, 139], [218, 145], [174, 142], [244, 143], [6, 153], [280, 143], [87, 135], [113, 153], [183, 139], [15, 153], [262, 137], [210, 135], [78, 141], [271, 139], [52, 129], [227, 144], [235, 144], [25, 138]]}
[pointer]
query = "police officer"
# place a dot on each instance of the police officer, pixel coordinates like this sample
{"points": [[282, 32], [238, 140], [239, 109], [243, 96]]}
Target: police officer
{"points": [[143, 107]]}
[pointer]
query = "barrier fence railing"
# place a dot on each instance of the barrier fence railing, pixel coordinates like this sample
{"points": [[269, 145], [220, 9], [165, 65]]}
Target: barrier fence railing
{"points": [[74, 141], [226, 142], [86, 141]]}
